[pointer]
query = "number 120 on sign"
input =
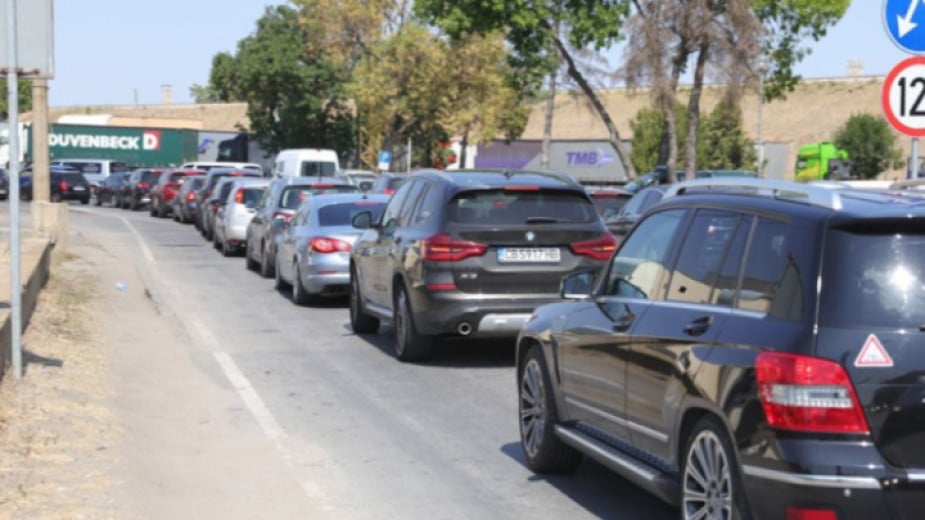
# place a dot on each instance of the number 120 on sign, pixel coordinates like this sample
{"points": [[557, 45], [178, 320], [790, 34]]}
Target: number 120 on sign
{"points": [[903, 97]]}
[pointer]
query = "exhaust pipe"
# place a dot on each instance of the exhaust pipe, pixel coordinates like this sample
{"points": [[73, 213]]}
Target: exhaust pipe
{"points": [[464, 328]]}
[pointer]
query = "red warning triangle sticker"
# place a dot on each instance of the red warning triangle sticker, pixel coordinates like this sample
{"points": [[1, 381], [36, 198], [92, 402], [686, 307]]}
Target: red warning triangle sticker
{"points": [[873, 354]]}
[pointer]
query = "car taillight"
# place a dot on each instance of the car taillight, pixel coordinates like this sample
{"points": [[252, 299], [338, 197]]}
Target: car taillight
{"points": [[599, 248], [807, 394], [388, 191], [282, 215], [442, 248], [804, 513], [239, 196], [190, 197], [62, 186], [143, 185], [329, 245]]}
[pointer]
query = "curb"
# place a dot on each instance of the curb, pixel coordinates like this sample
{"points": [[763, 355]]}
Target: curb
{"points": [[35, 269]]}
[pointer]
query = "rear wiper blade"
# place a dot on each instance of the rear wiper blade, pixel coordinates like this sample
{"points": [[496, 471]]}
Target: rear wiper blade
{"points": [[546, 220]]}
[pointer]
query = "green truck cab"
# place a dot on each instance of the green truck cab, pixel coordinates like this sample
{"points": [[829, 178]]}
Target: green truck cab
{"points": [[820, 161]]}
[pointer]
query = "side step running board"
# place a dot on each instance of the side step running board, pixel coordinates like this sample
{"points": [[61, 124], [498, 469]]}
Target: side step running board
{"points": [[639, 473]]}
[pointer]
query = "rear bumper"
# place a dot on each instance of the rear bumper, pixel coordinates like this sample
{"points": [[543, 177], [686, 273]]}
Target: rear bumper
{"points": [[847, 478], [444, 312]]}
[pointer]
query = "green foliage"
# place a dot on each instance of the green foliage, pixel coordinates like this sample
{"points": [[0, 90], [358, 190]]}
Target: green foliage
{"points": [[648, 127], [787, 24], [722, 143], [871, 145], [24, 97], [295, 99]]}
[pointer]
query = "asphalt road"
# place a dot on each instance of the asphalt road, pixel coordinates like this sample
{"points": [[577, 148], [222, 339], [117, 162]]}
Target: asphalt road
{"points": [[330, 420]]}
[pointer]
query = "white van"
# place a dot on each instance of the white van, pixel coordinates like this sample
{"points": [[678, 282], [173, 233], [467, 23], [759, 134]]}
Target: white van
{"points": [[306, 162]]}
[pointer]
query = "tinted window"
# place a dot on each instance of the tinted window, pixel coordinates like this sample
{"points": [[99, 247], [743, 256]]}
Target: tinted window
{"points": [[771, 283], [116, 166], [727, 283], [252, 196], [395, 203], [224, 190], [874, 279], [521, 207], [413, 198], [342, 214], [85, 167], [640, 267], [317, 169], [701, 256], [150, 177]]}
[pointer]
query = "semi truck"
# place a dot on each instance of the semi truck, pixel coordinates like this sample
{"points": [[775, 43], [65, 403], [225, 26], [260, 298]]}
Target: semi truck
{"points": [[821, 161], [135, 146]]}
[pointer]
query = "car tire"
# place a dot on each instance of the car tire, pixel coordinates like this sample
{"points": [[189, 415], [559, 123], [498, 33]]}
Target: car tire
{"points": [[360, 322], [709, 457], [227, 251], [151, 209], [266, 270], [161, 209], [84, 201], [216, 243], [543, 450], [409, 345], [278, 283], [299, 296], [97, 201], [249, 262]]}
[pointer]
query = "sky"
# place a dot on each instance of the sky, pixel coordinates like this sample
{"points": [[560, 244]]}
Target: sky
{"points": [[122, 52]]}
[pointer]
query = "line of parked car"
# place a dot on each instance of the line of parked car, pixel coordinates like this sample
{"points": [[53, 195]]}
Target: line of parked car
{"points": [[738, 347]]}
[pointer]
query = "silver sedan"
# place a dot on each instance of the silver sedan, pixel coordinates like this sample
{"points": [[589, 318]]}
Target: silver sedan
{"points": [[313, 251]]}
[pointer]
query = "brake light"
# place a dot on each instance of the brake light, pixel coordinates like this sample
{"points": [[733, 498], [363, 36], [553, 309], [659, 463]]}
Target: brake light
{"points": [[329, 245], [282, 215], [808, 394], [521, 188], [63, 186], [239, 196], [143, 185], [599, 248], [190, 197], [322, 185], [442, 248], [388, 191]]}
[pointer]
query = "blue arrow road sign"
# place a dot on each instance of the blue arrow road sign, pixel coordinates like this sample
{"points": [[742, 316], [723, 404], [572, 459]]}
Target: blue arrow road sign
{"points": [[905, 23]]}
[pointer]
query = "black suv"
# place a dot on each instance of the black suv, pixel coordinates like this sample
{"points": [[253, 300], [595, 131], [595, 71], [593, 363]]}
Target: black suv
{"points": [[470, 253], [754, 349]]}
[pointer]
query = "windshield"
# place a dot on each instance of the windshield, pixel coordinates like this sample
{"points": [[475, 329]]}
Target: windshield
{"points": [[317, 169], [521, 207]]}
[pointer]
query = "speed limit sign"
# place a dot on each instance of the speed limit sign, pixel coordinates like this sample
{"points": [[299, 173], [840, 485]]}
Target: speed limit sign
{"points": [[903, 97]]}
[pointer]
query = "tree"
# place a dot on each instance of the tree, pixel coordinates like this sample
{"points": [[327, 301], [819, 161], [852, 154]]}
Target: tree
{"points": [[538, 31], [24, 96], [722, 143], [733, 40], [224, 82], [871, 145], [648, 127], [295, 98]]}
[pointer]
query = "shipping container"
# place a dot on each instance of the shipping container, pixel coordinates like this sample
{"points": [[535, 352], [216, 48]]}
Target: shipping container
{"points": [[141, 147]]}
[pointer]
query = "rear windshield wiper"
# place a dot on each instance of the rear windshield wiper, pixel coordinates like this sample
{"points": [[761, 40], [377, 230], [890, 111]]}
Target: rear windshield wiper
{"points": [[546, 220]]}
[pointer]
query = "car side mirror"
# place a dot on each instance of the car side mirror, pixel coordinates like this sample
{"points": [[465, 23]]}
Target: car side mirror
{"points": [[362, 220], [577, 286]]}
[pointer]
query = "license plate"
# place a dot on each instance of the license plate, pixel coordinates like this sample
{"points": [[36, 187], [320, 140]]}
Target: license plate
{"points": [[79, 188], [513, 255]]}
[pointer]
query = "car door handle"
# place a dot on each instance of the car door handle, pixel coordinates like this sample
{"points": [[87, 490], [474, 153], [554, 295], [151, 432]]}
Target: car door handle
{"points": [[624, 322], [699, 326]]}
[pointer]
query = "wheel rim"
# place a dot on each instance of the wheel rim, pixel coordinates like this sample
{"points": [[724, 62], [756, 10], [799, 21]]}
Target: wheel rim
{"points": [[707, 479], [532, 407]]}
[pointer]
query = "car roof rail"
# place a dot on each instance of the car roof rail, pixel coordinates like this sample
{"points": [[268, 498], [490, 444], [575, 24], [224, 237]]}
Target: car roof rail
{"points": [[820, 196], [908, 184]]}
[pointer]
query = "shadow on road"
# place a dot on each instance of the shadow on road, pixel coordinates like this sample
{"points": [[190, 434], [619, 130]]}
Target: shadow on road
{"points": [[600, 491]]}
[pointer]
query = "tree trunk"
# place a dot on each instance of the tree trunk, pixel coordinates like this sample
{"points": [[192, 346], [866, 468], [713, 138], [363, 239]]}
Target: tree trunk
{"points": [[547, 119], [693, 110], [669, 145], [463, 144], [586, 89]]}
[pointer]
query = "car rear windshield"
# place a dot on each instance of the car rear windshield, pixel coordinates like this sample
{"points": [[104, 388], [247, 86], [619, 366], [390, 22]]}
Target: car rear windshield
{"points": [[252, 196], [74, 179], [150, 178], [292, 197], [318, 169], [874, 279], [342, 214], [518, 207]]}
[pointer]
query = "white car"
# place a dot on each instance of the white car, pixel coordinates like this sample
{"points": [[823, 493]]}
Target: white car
{"points": [[229, 234]]}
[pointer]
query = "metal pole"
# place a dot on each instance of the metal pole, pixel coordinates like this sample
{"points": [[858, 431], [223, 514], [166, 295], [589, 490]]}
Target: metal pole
{"points": [[12, 82], [914, 160], [760, 109]]}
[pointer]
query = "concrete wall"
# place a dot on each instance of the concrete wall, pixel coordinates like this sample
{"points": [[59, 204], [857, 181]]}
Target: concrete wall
{"points": [[35, 267]]}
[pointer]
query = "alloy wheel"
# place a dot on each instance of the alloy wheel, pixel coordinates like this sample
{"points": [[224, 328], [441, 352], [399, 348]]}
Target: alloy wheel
{"points": [[532, 407], [707, 483]]}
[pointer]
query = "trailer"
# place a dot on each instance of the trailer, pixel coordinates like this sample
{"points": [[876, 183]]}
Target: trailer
{"points": [[135, 146]]}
